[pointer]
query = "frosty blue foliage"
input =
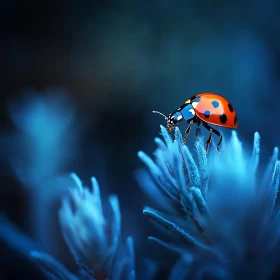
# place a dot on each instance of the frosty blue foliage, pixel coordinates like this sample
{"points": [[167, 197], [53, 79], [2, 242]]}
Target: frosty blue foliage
{"points": [[220, 209], [92, 233], [92, 237], [173, 168]]}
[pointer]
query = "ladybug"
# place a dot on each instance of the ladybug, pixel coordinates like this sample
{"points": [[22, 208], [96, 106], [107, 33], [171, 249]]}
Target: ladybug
{"points": [[206, 108]]}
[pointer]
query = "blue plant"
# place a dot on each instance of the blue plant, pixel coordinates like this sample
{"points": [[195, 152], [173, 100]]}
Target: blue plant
{"points": [[220, 208], [92, 233], [93, 239], [91, 230], [42, 122], [39, 150]]}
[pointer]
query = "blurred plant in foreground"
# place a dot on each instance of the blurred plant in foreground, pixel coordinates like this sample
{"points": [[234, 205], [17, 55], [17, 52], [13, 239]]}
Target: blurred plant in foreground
{"points": [[92, 233], [44, 139], [93, 239], [42, 147], [229, 231]]}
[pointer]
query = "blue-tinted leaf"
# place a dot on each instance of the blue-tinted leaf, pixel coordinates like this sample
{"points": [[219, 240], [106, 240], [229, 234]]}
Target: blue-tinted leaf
{"points": [[52, 267]]}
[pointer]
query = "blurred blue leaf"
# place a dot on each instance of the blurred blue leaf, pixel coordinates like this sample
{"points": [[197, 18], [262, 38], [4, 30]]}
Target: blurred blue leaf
{"points": [[52, 268], [92, 237], [46, 135], [45, 139], [16, 238]]}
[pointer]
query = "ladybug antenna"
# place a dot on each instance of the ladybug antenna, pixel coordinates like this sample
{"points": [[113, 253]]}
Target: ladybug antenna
{"points": [[157, 112]]}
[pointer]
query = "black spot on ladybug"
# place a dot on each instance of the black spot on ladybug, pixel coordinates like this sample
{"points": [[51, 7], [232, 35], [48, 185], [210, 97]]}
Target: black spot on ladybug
{"points": [[207, 114], [230, 107], [223, 118], [235, 120], [215, 104], [197, 99]]}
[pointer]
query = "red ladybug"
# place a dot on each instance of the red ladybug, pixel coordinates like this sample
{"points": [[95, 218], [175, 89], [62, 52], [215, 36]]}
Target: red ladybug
{"points": [[206, 108]]}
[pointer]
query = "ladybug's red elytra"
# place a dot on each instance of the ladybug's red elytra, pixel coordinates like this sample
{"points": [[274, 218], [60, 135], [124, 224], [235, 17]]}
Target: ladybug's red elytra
{"points": [[206, 108]]}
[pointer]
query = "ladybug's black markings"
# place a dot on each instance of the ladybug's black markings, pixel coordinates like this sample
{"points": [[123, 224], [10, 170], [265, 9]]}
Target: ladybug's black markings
{"points": [[223, 118], [207, 114], [235, 120], [215, 104], [230, 107]]}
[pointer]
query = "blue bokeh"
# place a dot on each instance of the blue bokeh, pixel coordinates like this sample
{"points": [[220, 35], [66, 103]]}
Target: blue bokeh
{"points": [[79, 83]]}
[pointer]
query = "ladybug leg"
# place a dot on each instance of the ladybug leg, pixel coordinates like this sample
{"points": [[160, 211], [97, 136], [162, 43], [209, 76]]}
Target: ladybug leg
{"points": [[209, 140], [219, 143], [216, 132], [187, 132]]}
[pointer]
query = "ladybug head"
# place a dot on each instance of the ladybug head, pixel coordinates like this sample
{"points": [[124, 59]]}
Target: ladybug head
{"points": [[171, 120]]}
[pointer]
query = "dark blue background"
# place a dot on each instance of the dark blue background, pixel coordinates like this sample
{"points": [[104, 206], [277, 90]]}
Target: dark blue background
{"points": [[118, 61]]}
